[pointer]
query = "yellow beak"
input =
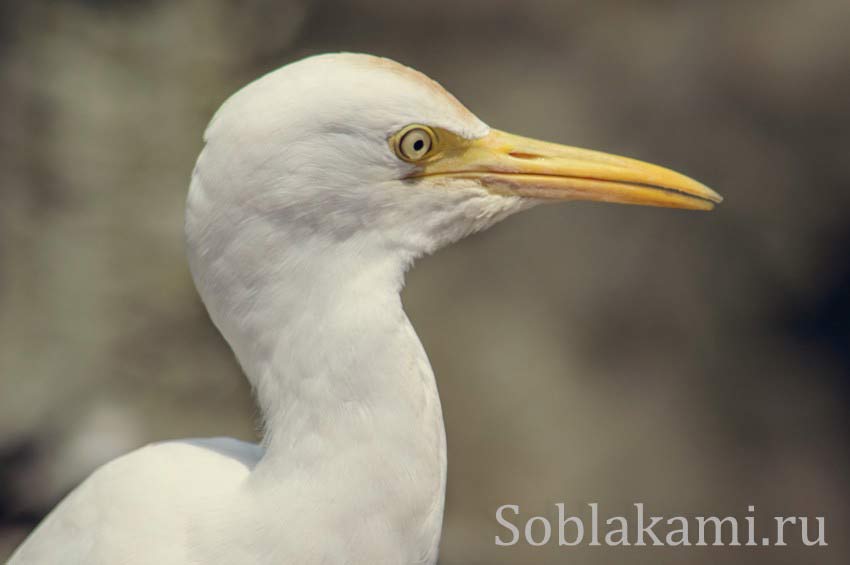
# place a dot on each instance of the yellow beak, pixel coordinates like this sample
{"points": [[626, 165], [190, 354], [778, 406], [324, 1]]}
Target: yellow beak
{"points": [[513, 165]]}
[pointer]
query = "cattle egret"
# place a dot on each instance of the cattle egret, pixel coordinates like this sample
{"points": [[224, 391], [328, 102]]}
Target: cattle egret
{"points": [[318, 186]]}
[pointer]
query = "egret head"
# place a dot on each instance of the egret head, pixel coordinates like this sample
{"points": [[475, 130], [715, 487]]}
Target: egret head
{"points": [[360, 157], [343, 145]]}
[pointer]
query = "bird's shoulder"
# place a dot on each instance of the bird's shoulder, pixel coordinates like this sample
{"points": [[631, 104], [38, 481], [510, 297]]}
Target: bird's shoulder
{"points": [[131, 500], [210, 459]]}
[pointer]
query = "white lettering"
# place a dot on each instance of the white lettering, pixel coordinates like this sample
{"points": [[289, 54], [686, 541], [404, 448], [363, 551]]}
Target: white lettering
{"points": [[513, 529]]}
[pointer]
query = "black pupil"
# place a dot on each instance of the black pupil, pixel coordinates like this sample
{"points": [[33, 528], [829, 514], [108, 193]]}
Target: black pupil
{"points": [[418, 144]]}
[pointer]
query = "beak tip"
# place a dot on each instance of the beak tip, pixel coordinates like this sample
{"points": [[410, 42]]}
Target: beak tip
{"points": [[713, 195], [708, 194]]}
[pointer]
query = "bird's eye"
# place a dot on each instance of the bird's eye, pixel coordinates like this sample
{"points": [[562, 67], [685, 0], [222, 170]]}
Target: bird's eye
{"points": [[415, 143]]}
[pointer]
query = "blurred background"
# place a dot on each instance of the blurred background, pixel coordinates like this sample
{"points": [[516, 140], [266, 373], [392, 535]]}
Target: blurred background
{"points": [[695, 362]]}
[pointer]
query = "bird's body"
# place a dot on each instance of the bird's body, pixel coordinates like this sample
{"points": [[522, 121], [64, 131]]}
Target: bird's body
{"points": [[315, 192]]}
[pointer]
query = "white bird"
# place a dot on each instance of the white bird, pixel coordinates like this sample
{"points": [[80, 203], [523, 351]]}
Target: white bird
{"points": [[318, 186]]}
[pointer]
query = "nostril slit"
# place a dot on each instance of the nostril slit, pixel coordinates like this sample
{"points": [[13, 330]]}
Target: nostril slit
{"points": [[521, 155]]}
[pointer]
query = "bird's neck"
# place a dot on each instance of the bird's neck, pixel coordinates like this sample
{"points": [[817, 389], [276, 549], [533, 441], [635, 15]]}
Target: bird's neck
{"points": [[346, 391], [310, 303]]}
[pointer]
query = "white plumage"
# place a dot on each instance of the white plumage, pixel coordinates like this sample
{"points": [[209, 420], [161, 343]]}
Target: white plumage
{"points": [[306, 208]]}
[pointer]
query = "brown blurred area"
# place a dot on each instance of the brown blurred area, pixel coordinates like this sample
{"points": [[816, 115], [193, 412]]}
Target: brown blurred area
{"points": [[697, 363]]}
